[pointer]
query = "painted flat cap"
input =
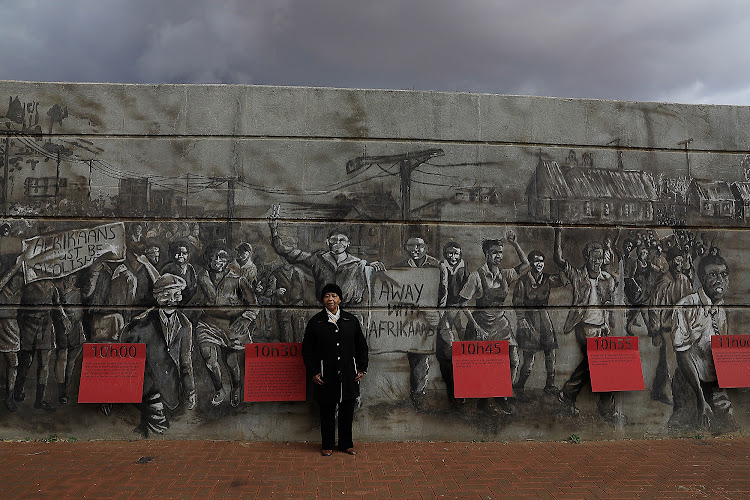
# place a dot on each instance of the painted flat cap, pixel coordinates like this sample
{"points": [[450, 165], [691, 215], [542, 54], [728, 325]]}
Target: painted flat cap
{"points": [[167, 281]]}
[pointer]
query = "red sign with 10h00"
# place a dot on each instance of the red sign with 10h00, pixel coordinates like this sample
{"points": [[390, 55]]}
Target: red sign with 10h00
{"points": [[112, 373]]}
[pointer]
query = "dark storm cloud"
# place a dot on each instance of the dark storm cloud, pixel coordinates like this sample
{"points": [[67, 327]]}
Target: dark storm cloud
{"points": [[688, 51]]}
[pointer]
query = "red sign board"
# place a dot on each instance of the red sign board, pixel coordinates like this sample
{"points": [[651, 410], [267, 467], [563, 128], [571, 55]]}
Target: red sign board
{"points": [[112, 373], [275, 372], [481, 369], [732, 359], [615, 364]]}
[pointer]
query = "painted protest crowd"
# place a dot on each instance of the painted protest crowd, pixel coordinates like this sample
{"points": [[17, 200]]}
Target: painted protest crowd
{"points": [[647, 275], [191, 297], [141, 298]]}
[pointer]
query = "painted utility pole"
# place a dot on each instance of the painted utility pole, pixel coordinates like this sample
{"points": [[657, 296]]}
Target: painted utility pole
{"points": [[230, 209], [57, 176], [187, 192], [407, 163], [6, 158], [686, 143], [148, 195], [616, 142]]}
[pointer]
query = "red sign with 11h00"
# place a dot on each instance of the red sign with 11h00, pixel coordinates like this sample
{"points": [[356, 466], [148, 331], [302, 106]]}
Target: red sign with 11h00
{"points": [[732, 359], [481, 369], [615, 364]]}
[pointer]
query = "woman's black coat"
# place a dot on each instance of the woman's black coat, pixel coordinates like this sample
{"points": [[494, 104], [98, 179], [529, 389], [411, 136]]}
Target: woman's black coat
{"points": [[336, 351]]}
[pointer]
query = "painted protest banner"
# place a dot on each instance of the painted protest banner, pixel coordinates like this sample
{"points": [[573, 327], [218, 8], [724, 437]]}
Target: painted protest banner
{"points": [[60, 254], [112, 373], [275, 372], [403, 315], [481, 369], [731, 355], [615, 364]]}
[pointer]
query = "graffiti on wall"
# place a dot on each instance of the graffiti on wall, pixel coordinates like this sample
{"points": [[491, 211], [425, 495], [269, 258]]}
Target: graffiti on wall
{"points": [[197, 265]]}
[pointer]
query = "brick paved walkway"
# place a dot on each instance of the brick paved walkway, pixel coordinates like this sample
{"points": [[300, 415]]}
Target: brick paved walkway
{"points": [[707, 468]]}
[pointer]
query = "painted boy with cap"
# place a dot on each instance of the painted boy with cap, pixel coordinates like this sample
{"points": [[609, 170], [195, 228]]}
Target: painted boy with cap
{"points": [[168, 336], [335, 353]]}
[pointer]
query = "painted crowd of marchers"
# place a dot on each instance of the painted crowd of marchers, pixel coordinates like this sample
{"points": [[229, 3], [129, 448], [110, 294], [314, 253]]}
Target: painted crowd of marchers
{"points": [[244, 280], [269, 301]]}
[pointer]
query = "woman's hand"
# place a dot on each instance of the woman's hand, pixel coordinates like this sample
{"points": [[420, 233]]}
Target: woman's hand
{"points": [[360, 376], [318, 379]]}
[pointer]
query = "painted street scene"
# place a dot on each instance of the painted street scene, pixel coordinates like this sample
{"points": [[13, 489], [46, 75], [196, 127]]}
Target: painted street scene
{"points": [[200, 246]]}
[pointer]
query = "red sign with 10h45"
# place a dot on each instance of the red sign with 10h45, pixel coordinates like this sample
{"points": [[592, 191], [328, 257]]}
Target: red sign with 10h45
{"points": [[481, 369]]}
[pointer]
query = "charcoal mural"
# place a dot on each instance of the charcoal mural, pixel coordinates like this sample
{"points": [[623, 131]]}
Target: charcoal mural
{"points": [[198, 244]]}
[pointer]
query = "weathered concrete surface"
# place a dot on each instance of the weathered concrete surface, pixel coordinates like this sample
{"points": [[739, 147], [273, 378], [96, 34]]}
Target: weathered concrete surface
{"points": [[200, 165], [208, 110]]}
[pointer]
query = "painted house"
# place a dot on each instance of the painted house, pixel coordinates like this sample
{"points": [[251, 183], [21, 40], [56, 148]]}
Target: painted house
{"points": [[713, 199], [133, 194], [41, 171], [166, 202], [478, 194], [587, 194], [741, 192]]}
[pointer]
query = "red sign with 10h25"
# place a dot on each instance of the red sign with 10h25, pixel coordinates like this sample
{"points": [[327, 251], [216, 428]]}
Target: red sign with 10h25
{"points": [[481, 369]]}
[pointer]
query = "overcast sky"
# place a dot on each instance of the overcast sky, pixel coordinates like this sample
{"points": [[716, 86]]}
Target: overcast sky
{"points": [[667, 50]]}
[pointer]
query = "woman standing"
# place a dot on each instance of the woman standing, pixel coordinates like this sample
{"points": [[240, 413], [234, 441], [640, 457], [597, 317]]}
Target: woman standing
{"points": [[335, 354]]}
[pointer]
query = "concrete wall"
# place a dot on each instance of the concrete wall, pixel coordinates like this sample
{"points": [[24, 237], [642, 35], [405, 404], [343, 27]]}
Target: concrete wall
{"points": [[207, 164]]}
